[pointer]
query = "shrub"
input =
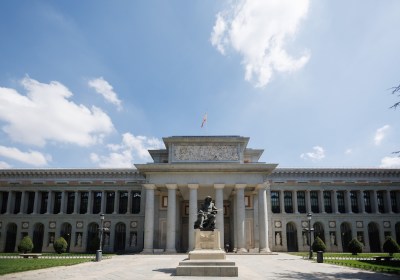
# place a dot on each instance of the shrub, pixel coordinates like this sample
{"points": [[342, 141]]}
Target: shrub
{"points": [[390, 246], [318, 245], [60, 245], [26, 245], [355, 246]]}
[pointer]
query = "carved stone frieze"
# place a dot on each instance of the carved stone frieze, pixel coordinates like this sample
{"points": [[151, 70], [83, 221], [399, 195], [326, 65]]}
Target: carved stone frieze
{"points": [[205, 153]]}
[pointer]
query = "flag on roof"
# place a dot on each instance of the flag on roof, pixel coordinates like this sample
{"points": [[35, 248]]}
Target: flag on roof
{"points": [[204, 120]]}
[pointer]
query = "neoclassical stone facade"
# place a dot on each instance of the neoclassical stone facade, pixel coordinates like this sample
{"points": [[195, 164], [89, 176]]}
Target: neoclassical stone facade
{"points": [[152, 208]]}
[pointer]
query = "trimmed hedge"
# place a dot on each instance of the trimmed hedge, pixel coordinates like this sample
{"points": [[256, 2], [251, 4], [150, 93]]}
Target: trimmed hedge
{"points": [[26, 245], [60, 245], [355, 246]]}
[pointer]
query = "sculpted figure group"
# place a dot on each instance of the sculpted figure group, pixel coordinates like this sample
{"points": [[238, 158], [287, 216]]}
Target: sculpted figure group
{"points": [[206, 215]]}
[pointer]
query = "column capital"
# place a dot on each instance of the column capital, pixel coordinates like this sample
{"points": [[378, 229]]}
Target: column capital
{"points": [[219, 186], [264, 185], [240, 186], [193, 186], [171, 186], [150, 186]]}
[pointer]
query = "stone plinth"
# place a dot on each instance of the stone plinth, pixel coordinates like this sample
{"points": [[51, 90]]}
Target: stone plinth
{"points": [[207, 259]]}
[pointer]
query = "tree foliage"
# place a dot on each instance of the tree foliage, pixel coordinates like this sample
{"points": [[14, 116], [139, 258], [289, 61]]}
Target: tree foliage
{"points": [[390, 246], [60, 245], [318, 245], [355, 246], [26, 245]]}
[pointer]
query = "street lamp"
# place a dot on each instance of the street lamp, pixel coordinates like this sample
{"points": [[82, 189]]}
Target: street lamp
{"points": [[309, 216], [99, 253]]}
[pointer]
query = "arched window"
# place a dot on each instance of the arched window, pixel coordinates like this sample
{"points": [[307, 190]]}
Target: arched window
{"points": [[373, 234], [93, 240], [291, 237], [38, 231], [120, 237], [319, 231], [11, 238], [65, 233], [345, 232]]}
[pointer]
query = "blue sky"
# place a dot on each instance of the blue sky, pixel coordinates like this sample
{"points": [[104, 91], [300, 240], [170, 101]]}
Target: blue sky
{"points": [[87, 84]]}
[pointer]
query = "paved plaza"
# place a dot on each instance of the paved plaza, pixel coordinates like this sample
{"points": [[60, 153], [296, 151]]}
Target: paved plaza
{"points": [[280, 266]]}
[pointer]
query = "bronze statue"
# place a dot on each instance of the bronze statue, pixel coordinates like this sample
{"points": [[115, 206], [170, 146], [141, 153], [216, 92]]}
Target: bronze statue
{"points": [[206, 215]]}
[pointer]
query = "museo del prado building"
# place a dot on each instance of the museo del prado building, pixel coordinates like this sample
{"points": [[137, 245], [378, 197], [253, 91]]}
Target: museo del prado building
{"points": [[152, 208]]}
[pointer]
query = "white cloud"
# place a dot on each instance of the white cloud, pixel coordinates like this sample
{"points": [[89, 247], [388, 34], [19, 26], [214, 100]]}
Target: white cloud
{"points": [[318, 153], [380, 134], [132, 148], [32, 157], [4, 165], [103, 88], [45, 114], [259, 31], [348, 151], [390, 162]]}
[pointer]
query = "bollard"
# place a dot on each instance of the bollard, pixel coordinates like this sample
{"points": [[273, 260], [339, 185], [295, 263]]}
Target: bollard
{"points": [[99, 254], [320, 257]]}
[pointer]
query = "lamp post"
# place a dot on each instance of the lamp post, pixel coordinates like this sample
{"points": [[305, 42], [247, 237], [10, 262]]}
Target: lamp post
{"points": [[309, 216], [99, 253]]}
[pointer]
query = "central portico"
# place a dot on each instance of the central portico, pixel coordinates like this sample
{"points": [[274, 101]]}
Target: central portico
{"points": [[193, 167]]}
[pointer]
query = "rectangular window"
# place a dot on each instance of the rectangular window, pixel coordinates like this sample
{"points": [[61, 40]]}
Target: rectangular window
{"points": [[301, 201], [31, 201], [393, 200], [96, 202], [314, 201], [123, 202], [340, 201], [136, 196], [275, 207], [381, 202], [70, 202], [288, 202], [83, 209], [328, 201], [43, 202], [17, 202], [354, 202], [57, 202], [4, 201], [367, 201], [110, 197]]}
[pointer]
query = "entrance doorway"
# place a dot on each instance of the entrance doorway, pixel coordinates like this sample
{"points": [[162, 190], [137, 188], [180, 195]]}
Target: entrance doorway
{"points": [[120, 236], [38, 231], [291, 237]]}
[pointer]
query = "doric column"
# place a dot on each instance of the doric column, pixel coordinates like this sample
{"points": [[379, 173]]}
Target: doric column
{"points": [[282, 202], [388, 203], [234, 221], [335, 203], [241, 243], [9, 202], [103, 203], [149, 219], [22, 206], [116, 202], [35, 202], [129, 210], [76, 199], [89, 204], [171, 218], [308, 201], [192, 213], [375, 201], [362, 202], [219, 203], [263, 217], [49, 201], [321, 202], [296, 207], [348, 202], [63, 199]]}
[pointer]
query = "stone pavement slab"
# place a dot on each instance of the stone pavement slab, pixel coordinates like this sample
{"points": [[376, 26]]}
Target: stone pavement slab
{"points": [[144, 267]]}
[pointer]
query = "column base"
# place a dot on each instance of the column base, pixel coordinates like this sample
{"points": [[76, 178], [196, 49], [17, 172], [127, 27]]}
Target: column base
{"points": [[265, 250], [147, 251], [171, 251], [242, 250]]}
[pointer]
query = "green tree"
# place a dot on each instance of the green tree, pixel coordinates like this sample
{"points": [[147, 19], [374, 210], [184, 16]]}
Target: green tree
{"points": [[26, 245], [390, 246], [318, 245], [355, 246], [60, 245]]}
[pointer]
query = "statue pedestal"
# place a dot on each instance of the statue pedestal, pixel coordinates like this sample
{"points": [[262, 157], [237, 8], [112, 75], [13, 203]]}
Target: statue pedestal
{"points": [[207, 259]]}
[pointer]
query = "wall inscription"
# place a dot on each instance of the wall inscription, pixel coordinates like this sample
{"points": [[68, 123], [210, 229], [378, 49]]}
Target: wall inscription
{"points": [[206, 153]]}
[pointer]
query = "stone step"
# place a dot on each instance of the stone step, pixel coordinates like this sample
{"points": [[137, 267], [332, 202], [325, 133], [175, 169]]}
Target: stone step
{"points": [[206, 263]]}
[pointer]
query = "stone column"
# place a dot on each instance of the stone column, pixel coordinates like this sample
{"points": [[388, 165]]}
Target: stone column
{"points": [[103, 204], [348, 202], [282, 201], [234, 220], [22, 206], [171, 218], [116, 202], [49, 201], [321, 202], [129, 210], [296, 207], [335, 203], [388, 203], [35, 202], [90, 201], [308, 201], [76, 199], [9, 202], [149, 219], [192, 214], [375, 202], [263, 217], [219, 203], [362, 202], [241, 214], [62, 206]]}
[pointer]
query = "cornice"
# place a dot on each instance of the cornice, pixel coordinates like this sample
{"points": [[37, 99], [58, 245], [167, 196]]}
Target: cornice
{"points": [[335, 172]]}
